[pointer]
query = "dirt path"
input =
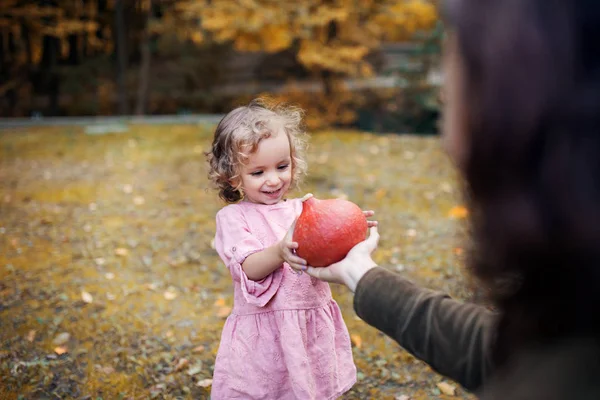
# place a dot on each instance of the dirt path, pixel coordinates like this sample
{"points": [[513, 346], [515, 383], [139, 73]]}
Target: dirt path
{"points": [[110, 288]]}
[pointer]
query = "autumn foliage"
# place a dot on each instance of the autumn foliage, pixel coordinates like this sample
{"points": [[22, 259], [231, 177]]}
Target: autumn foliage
{"points": [[331, 40]]}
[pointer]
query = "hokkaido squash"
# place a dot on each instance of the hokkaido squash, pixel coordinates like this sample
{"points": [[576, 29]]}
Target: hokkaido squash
{"points": [[327, 230]]}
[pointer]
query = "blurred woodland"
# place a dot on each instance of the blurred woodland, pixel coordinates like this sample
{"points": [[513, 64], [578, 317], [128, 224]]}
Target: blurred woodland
{"points": [[370, 64]]}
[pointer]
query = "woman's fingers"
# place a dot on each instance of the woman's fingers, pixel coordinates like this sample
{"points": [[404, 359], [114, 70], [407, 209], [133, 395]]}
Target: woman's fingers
{"points": [[373, 239], [323, 274], [306, 197]]}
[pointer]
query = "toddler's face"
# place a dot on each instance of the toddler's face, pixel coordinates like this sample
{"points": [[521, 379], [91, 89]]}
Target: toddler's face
{"points": [[268, 174]]}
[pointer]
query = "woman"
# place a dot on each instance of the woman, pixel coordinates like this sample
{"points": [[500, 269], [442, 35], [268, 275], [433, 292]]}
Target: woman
{"points": [[522, 123]]}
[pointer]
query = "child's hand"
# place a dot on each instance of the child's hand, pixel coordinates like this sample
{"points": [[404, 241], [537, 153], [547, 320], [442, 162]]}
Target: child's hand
{"points": [[287, 251]]}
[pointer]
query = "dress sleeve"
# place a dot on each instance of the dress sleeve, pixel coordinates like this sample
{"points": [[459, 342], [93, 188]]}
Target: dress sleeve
{"points": [[234, 242], [454, 338]]}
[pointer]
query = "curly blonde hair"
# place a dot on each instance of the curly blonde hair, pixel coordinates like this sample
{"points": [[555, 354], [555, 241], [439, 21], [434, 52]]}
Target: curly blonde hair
{"points": [[239, 134]]}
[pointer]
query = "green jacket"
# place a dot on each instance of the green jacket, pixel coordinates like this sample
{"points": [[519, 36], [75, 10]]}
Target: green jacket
{"points": [[455, 339]]}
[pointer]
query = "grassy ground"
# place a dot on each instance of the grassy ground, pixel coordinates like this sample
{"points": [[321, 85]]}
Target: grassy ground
{"points": [[110, 287]]}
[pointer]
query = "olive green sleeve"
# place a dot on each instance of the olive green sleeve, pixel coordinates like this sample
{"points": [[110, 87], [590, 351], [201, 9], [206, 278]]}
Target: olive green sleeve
{"points": [[452, 337]]}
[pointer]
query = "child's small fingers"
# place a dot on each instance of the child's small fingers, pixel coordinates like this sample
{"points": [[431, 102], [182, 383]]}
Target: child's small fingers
{"points": [[296, 260], [369, 213], [292, 245], [298, 267], [372, 223]]}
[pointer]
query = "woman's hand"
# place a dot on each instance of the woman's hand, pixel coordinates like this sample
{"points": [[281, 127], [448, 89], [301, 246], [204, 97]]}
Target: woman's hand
{"points": [[370, 213], [352, 268]]}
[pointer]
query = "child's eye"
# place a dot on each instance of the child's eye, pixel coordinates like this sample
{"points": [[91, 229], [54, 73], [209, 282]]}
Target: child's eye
{"points": [[283, 167], [256, 173]]}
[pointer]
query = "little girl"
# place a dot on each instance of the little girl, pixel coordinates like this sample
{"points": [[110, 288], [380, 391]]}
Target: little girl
{"points": [[285, 337]]}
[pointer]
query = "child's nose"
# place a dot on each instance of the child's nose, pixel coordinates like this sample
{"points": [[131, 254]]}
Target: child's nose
{"points": [[272, 179]]}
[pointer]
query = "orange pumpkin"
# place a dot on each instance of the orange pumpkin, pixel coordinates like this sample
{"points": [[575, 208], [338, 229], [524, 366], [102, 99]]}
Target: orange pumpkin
{"points": [[326, 230]]}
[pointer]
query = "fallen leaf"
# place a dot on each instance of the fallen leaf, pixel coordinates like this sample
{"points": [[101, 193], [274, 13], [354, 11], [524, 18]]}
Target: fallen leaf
{"points": [[458, 212], [61, 338], [127, 188], [458, 251], [223, 312], [110, 296], [169, 295], [402, 397], [380, 194], [357, 340], [411, 233], [446, 187], [86, 297], [220, 302], [169, 334], [120, 251], [181, 364], [198, 349], [93, 207], [31, 335], [100, 261], [60, 350], [138, 200], [107, 370], [109, 275], [204, 383], [447, 388], [196, 369]]}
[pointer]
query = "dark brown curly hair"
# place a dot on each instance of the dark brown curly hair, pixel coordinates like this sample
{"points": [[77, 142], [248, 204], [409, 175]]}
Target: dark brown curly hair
{"points": [[532, 171]]}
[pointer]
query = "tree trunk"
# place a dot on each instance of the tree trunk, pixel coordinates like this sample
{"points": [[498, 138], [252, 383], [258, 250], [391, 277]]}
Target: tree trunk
{"points": [[120, 43], [142, 95], [327, 76], [53, 77]]}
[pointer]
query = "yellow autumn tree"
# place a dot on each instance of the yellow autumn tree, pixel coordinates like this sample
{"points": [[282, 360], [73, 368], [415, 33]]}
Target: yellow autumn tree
{"points": [[331, 38]]}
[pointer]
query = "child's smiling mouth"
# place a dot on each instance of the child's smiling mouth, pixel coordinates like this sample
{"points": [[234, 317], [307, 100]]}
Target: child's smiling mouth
{"points": [[272, 193]]}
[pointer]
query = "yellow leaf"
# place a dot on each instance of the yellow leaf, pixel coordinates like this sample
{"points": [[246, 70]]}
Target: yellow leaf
{"points": [[380, 194], [357, 340], [60, 350], [204, 383], [223, 312], [181, 364], [86, 297], [275, 38], [121, 251], [31, 336], [458, 212], [197, 37], [220, 302], [198, 349], [169, 295], [447, 388]]}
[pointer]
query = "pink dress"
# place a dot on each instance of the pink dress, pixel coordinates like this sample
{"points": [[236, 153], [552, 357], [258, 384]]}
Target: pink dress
{"points": [[285, 337]]}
